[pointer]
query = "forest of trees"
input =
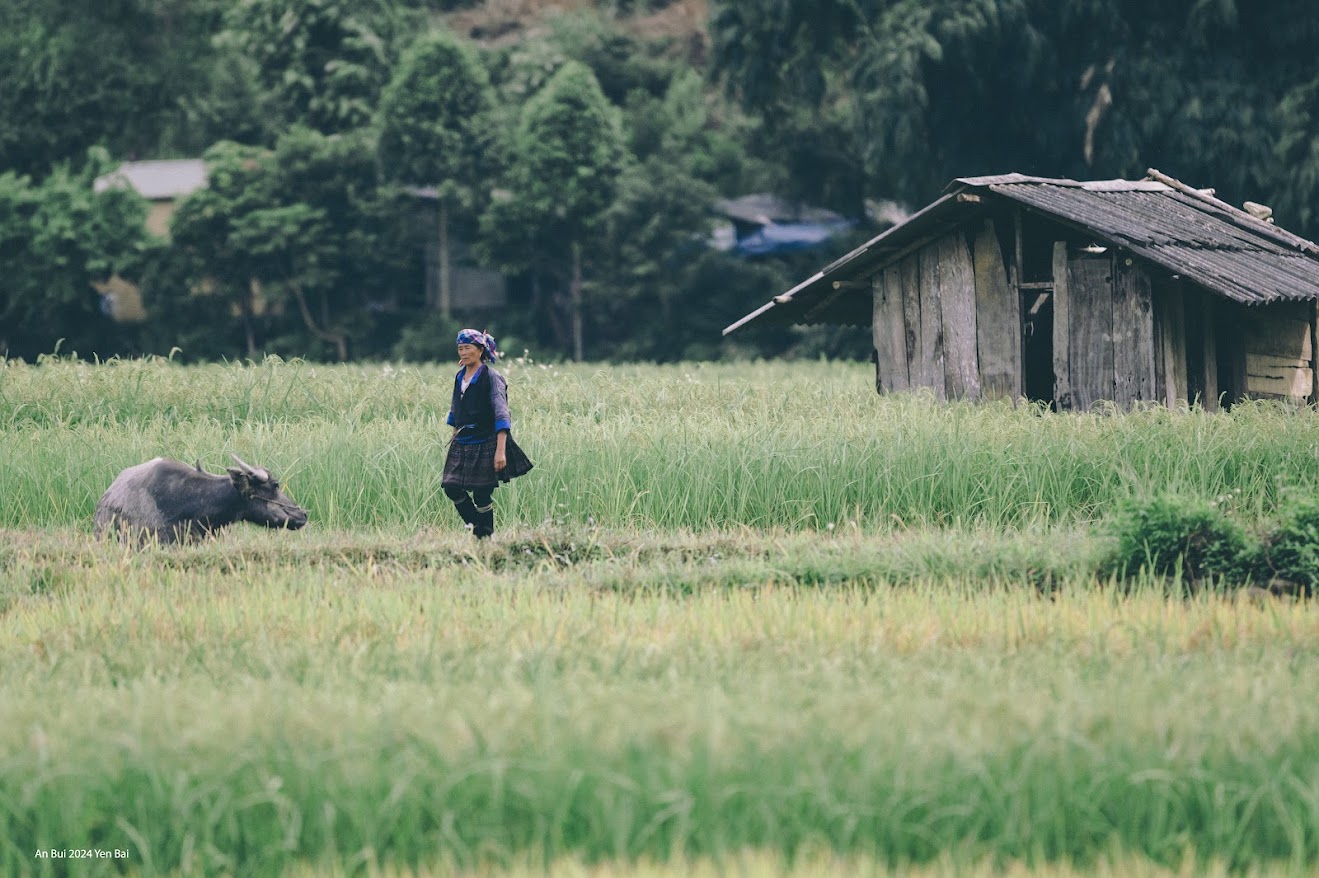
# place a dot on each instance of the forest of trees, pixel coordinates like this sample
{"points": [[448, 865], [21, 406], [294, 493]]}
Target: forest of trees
{"points": [[580, 152]]}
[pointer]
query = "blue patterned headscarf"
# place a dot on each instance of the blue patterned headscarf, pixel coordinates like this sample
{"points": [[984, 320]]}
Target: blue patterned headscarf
{"points": [[482, 340]]}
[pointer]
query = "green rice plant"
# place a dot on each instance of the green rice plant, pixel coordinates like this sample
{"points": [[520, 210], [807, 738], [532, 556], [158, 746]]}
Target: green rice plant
{"points": [[767, 864], [411, 699], [739, 614], [795, 446]]}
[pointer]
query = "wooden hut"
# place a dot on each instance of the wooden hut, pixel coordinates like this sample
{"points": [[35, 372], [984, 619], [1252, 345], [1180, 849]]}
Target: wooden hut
{"points": [[1075, 293]]}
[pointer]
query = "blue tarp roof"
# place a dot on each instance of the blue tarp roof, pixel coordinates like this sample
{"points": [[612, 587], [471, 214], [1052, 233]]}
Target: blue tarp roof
{"points": [[787, 237], [765, 224]]}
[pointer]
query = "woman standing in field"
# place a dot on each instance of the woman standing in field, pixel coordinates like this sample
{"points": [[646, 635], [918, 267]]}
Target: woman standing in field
{"points": [[482, 452]]}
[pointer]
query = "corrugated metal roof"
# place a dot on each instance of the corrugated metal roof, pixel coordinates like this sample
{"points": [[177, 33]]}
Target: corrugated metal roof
{"points": [[158, 179], [1185, 235], [1181, 229]]}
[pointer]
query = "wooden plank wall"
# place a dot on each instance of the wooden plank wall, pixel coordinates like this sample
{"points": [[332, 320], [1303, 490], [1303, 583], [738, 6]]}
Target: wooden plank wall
{"points": [[1105, 345], [957, 300], [1209, 381], [890, 333], [946, 318], [1090, 329], [1280, 351], [909, 273], [998, 319], [929, 285], [1172, 327], [1201, 346], [1133, 334]]}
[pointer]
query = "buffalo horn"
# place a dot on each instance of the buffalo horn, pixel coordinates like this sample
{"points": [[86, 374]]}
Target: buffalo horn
{"points": [[258, 474]]}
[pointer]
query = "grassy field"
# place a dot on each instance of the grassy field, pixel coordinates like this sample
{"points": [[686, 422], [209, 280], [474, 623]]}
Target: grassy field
{"points": [[740, 620]]}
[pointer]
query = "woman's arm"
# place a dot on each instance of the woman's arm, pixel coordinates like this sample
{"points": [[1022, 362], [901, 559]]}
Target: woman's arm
{"points": [[503, 422]]}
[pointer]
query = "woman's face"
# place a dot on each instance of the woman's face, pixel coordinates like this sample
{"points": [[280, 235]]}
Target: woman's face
{"points": [[469, 355]]}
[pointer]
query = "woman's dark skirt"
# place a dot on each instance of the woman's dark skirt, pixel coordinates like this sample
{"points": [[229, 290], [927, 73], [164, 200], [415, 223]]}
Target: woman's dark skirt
{"points": [[473, 466]]}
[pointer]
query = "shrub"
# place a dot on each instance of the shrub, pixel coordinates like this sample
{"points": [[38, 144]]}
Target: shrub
{"points": [[430, 339], [1169, 535], [1291, 549]]}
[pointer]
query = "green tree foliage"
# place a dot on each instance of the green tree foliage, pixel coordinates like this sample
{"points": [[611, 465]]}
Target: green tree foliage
{"points": [[1213, 92], [205, 228], [784, 60], [1296, 156], [566, 160], [229, 103], [437, 128], [296, 241], [655, 268], [57, 237], [74, 75], [323, 61], [613, 147]]}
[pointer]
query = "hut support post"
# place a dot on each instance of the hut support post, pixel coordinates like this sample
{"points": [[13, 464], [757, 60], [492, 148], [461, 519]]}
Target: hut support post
{"points": [[1209, 401], [1062, 345], [1174, 345]]}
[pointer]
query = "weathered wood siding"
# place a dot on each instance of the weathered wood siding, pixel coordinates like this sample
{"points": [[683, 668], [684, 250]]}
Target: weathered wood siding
{"points": [[955, 279], [998, 319], [928, 287], [1104, 341], [1062, 336], [1090, 317], [946, 318], [1133, 334], [1280, 351], [1201, 346], [909, 274], [1170, 323], [890, 332]]}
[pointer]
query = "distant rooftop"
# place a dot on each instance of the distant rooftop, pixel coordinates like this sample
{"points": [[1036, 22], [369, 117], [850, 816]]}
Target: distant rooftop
{"points": [[157, 180], [765, 209]]}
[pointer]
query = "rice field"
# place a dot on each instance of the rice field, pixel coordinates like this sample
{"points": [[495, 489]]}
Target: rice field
{"points": [[749, 619]]}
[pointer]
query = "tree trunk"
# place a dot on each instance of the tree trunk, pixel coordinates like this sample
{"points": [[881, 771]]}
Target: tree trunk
{"points": [[446, 294], [339, 339], [576, 290], [248, 329]]}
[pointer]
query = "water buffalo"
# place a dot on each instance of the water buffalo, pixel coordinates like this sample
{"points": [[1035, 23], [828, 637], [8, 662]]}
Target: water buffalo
{"points": [[170, 501]]}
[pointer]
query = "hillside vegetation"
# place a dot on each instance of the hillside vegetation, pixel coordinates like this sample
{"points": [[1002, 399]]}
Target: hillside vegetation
{"points": [[581, 150]]}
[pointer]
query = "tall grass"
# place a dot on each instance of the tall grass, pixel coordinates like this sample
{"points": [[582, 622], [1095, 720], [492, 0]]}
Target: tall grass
{"points": [[259, 715], [807, 446], [751, 618]]}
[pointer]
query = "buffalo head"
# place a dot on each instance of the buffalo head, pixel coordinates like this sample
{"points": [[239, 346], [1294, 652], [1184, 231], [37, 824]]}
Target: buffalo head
{"points": [[263, 501]]}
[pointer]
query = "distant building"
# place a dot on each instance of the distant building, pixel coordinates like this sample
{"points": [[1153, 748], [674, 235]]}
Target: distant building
{"points": [[471, 287], [162, 183], [764, 224], [1075, 293], [165, 182]]}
